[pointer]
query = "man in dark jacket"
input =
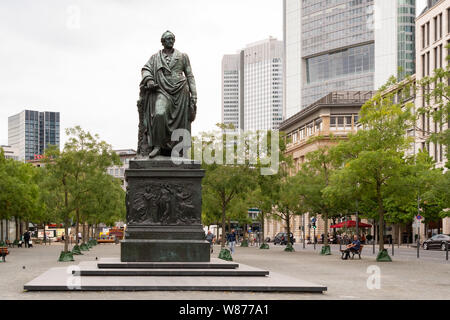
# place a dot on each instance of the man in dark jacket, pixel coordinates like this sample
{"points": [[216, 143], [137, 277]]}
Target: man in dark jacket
{"points": [[231, 238], [26, 239]]}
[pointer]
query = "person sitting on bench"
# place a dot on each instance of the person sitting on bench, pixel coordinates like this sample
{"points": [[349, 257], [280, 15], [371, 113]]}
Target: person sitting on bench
{"points": [[352, 247]]}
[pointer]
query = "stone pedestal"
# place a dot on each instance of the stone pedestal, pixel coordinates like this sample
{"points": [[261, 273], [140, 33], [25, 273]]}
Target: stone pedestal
{"points": [[164, 203]]}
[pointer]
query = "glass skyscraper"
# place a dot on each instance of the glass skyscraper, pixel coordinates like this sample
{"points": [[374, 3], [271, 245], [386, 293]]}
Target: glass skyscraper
{"points": [[31, 132], [341, 45]]}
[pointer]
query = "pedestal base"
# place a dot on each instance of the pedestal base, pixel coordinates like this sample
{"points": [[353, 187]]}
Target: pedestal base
{"points": [[164, 208], [165, 250]]}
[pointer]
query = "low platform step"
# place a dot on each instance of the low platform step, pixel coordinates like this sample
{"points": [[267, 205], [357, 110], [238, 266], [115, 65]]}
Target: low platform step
{"points": [[243, 271], [115, 263], [58, 279]]}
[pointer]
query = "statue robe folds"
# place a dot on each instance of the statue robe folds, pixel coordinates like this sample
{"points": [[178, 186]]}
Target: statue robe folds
{"points": [[168, 107]]}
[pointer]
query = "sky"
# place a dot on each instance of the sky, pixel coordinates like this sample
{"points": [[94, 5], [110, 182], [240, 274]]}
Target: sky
{"points": [[83, 58]]}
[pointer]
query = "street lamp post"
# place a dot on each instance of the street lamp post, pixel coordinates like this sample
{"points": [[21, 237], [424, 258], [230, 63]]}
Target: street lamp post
{"points": [[418, 226], [303, 226]]}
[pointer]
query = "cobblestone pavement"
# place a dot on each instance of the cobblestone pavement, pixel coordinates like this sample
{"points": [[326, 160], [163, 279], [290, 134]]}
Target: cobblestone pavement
{"points": [[405, 278]]}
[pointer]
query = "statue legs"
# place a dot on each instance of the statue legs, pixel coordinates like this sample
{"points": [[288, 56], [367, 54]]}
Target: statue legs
{"points": [[160, 134]]}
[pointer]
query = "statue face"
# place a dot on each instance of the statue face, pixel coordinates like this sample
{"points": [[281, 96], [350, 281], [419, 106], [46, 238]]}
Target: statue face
{"points": [[168, 42]]}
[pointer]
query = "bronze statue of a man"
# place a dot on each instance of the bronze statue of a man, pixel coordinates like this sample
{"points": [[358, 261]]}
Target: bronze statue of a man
{"points": [[168, 99]]}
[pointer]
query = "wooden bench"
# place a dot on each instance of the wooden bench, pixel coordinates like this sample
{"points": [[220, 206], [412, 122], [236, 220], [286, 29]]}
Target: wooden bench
{"points": [[353, 252], [357, 252], [3, 252]]}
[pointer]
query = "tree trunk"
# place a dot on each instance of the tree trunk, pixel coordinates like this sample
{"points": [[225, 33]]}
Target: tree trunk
{"points": [[263, 240], [381, 218], [325, 237], [17, 228], [7, 229], [20, 227], [77, 227], [1, 234], [222, 241], [381, 229], [288, 227], [83, 235], [66, 223]]}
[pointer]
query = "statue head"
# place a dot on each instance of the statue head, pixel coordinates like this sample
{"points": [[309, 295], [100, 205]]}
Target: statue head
{"points": [[168, 40]]}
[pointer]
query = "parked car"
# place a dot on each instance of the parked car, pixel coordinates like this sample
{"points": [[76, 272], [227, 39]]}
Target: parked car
{"points": [[281, 238], [437, 242]]}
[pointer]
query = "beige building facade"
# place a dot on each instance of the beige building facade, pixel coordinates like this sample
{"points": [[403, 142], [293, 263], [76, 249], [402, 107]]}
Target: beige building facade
{"points": [[432, 37], [333, 117]]}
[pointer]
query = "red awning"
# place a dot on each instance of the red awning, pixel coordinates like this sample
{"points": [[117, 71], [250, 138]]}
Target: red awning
{"points": [[350, 224]]}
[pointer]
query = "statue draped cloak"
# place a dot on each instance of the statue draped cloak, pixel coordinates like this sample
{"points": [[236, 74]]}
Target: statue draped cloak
{"points": [[169, 106]]}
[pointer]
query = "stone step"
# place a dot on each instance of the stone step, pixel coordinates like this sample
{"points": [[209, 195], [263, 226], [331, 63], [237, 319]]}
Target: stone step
{"points": [[240, 272], [113, 263], [59, 279]]}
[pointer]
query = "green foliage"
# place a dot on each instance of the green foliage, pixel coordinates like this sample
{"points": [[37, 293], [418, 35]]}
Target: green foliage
{"points": [[311, 182], [374, 168], [19, 193], [436, 92], [76, 183]]}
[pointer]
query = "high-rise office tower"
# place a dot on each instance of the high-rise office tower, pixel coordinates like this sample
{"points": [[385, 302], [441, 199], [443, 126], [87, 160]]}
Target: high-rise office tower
{"points": [[31, 132], [252, 86], [335, 45], [232, 111]]}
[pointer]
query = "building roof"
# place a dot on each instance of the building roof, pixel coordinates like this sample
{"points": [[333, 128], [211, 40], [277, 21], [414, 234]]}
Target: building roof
{"points": [[430, 4], [336, 98]]}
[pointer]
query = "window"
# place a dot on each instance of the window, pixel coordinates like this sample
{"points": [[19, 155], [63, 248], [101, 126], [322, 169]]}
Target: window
{"points": [[435, 22], [423, 36], [340, 121], [333, 123]]}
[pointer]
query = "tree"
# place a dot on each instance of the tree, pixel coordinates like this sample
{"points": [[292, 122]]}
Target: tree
{"points": [[70, 175], [436, 92], [221, 185], [311, 182], [377, 163], [19, 194]]}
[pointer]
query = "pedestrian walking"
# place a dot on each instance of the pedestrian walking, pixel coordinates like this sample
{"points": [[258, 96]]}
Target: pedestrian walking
{"points": [[26, 239], [231, 238], [210, 237]]}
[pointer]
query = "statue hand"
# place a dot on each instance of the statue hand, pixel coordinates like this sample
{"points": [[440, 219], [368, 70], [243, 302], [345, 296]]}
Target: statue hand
{"points": [[194, 101], [152, 85]]}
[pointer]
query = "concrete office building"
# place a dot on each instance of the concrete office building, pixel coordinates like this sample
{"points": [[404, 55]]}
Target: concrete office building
{"points": [[31, 132], [10, 153], [119, 171], [232, 104], [252, 86], [338, 45]]}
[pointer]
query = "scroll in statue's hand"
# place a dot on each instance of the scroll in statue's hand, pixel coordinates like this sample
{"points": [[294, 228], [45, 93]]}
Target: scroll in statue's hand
{"points": [[152, 85]]}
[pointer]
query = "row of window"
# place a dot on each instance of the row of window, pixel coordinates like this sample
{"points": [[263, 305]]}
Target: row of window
{"points": [[437, 29]]}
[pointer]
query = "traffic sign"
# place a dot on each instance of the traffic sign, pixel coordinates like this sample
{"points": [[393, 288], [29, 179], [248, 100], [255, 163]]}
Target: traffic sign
{"points": [[419, 217]]}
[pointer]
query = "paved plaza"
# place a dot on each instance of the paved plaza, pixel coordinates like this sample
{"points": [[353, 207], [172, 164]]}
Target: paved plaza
{"points": [[405, 278]]}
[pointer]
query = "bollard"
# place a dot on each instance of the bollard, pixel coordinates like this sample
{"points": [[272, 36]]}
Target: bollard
{"points": [[418, 247], [446, 249]]}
